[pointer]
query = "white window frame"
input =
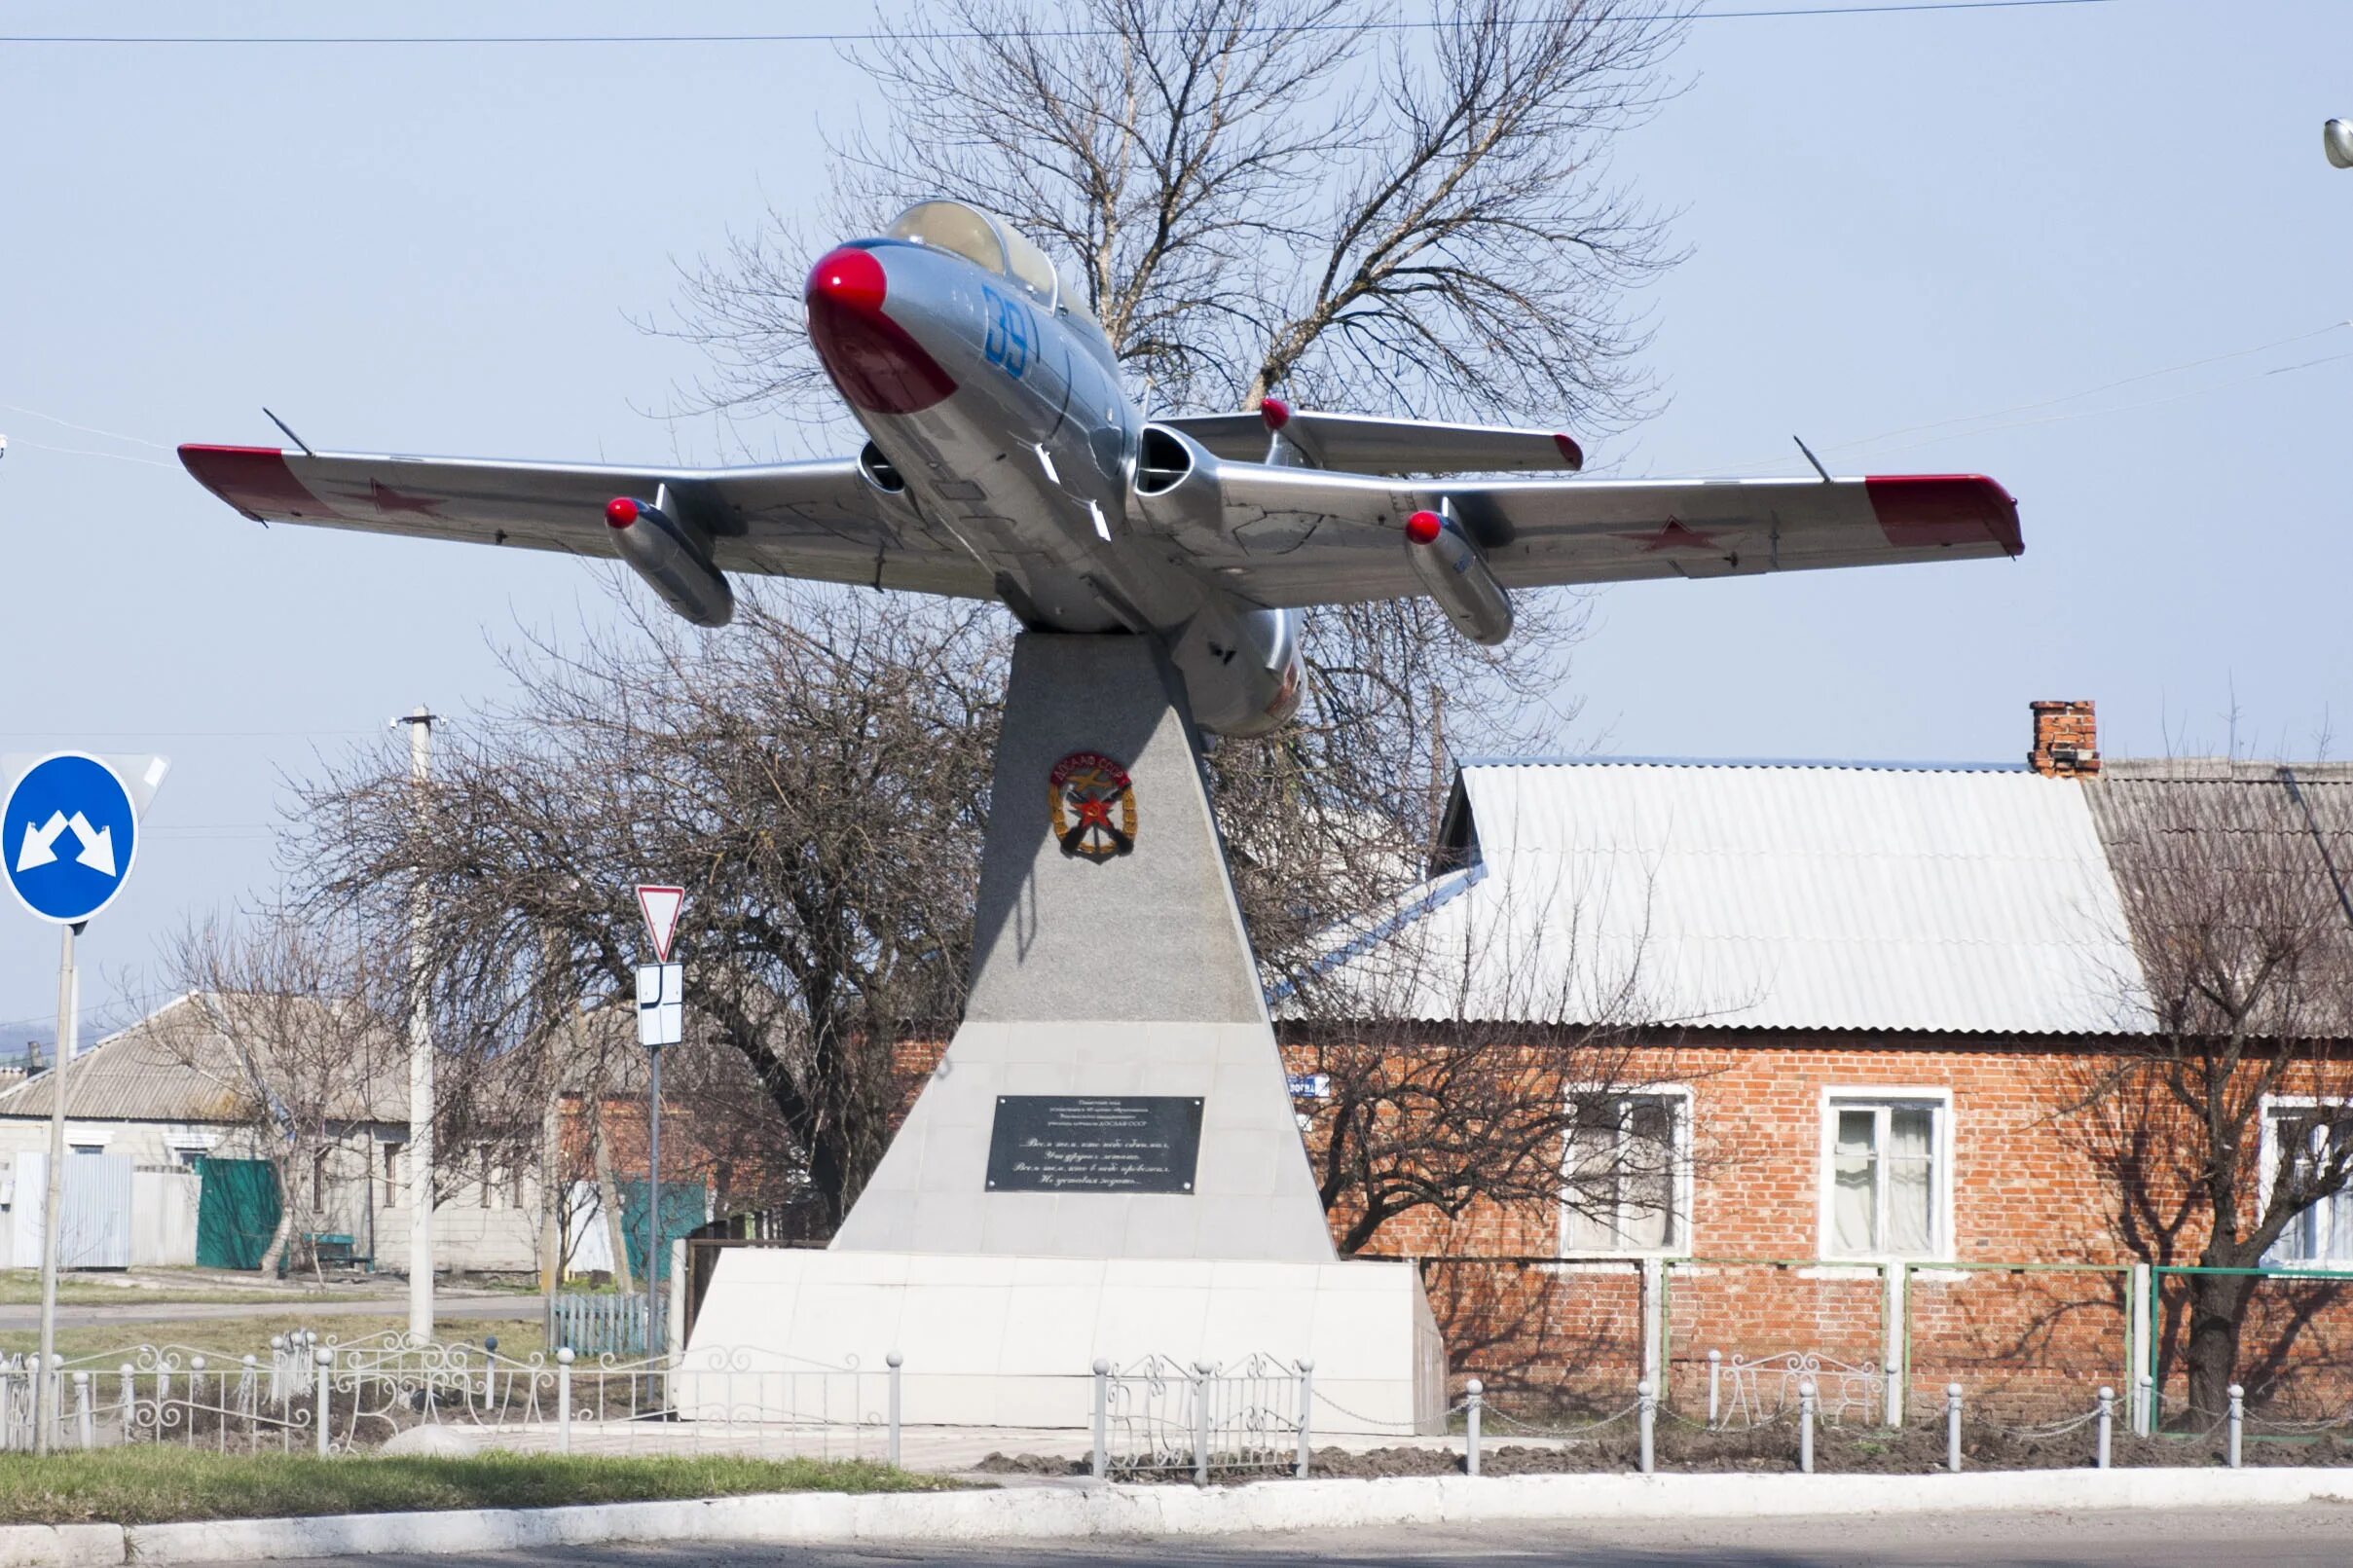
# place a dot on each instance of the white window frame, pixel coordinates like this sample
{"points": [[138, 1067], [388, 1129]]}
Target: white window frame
{"points": [[1847, 1096], [2269, 1145], [1680, 1096]]}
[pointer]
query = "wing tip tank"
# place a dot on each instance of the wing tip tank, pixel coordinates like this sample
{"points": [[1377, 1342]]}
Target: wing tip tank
{"points": [[1916, 510]]}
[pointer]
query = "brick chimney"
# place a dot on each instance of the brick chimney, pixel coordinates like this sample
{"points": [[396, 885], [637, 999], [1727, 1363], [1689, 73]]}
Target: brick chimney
{"points": [[2067, 740]]}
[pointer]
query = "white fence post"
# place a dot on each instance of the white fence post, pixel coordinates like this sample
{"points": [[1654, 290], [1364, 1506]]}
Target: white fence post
{"points": [[2137, 1344], [1805, 1426], [1715, 1373], [894, 1361], [1474, 1400], [1952, 1427], [2107, 1421], [85, 1425], [564, 1401], [2238, 1421], [1895, 1302], [1201, 1372], [1646, 1393], [1306, 1411], [1101, 1466], [325, 1359], [1654, 1319]]}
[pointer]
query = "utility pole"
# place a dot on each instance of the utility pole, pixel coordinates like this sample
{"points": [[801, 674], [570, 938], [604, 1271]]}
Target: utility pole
{"points": [[69, 999], [421, 1049]]}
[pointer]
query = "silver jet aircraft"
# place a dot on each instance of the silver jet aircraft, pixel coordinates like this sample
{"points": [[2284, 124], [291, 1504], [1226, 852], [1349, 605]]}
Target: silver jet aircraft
{"points": [[1003, 460]]}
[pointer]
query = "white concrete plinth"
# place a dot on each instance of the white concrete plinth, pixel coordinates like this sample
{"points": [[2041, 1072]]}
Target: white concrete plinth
{"points": [[1008, 1341]]}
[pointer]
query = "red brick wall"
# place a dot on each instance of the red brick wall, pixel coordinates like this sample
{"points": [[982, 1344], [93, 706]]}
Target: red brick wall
{"points": [[2025, 1340]]}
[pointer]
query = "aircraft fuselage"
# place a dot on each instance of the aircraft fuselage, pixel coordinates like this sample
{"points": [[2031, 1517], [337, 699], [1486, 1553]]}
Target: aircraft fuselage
{"points": [[1000, 415]]}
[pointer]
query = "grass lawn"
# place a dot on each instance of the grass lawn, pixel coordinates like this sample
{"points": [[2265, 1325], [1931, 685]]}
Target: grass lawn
{"points": [[149, 1484], [250, 1334]]}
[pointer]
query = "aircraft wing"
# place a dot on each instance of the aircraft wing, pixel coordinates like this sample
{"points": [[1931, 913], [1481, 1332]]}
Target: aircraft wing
{"points": [[813, 519], [1298, 536]]}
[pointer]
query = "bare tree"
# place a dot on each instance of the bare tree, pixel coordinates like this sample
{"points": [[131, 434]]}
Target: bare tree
{"points": [[1512, 1067], [2231, 1117], [816, 778], [1329, 200], [290, 1022]]}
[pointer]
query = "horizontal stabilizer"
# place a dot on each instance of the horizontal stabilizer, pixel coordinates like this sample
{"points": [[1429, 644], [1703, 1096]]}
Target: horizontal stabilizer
{"points": [[1356, 444]]}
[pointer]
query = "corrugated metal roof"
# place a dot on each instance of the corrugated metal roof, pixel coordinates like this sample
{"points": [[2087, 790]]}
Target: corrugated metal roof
{"points": [[1771, 897], [176, 1066]]}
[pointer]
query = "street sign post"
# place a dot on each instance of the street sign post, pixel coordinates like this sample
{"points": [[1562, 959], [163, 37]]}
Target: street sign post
{"points": [[69, 833], [661, 1021]]}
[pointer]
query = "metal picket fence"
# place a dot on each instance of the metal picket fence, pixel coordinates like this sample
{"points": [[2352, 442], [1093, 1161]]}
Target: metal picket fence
{"points": [[312, 1393], [1159, 1416]]}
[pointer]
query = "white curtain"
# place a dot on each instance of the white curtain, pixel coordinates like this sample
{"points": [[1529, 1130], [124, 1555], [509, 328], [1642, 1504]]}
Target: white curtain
{"points": [[1854, 1196]]}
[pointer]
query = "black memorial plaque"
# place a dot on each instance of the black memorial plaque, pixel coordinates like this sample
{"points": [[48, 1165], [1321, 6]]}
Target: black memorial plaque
{"points": [[1080, 1142]]}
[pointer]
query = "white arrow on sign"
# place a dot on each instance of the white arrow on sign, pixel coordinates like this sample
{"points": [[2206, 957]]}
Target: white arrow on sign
{"points": [[36, 849], [661, 906], [97, 845]]}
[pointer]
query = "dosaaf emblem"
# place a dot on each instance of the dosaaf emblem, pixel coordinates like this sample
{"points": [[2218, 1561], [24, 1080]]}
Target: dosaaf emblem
{"points": [[1095, 806]]}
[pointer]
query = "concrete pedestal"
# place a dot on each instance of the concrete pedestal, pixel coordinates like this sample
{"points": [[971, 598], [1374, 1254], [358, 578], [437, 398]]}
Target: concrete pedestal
{"points": [[1010, 1341], [1120, 978]]}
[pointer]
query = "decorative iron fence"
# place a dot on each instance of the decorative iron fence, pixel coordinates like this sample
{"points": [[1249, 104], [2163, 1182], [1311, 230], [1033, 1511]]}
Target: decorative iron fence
{"points": [[1157, 1416], [313, 1392]]}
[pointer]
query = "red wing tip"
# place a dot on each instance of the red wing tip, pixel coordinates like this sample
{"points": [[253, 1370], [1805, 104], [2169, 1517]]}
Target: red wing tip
{"points": [[1274, 412], [1570, 453], [1945, 509], [255, 480]]}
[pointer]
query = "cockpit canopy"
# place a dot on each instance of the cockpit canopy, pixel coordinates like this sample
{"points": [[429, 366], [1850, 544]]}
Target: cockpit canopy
{"points": [[992, 243]]}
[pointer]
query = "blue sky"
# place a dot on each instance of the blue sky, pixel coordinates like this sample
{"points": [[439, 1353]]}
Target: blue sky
{"points": [[1955, 220]]}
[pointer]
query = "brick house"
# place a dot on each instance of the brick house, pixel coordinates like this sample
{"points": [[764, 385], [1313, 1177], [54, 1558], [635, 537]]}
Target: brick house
{"points": [[1856, 995]]}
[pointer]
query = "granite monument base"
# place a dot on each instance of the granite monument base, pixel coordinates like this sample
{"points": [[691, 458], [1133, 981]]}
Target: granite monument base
{"points": [[1106, 1162], [997, 1341]]}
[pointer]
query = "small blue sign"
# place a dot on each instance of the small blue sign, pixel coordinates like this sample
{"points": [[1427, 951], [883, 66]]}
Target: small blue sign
{"points": [[67, 837]]}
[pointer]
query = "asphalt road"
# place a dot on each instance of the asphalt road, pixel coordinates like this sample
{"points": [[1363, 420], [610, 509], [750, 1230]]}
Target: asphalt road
{"points": [[2279, 1538], [82, 1317]]}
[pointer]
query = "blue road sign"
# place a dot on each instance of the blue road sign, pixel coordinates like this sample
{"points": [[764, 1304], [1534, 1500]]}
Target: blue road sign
{"points": [[67, 837]]}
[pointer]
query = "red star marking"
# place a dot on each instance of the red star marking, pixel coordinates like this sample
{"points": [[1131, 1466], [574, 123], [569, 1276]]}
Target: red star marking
{"points": [[389, 500], [1673, 536], [1094, 813]]}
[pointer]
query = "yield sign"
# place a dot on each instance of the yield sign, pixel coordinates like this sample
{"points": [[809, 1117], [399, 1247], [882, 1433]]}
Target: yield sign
{"points": [[661, 906]]}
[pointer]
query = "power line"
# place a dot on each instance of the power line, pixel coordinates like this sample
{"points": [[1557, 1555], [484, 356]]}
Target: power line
{"points": [[394, 40]]}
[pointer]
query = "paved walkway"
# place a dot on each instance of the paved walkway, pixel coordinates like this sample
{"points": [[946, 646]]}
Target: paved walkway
{"points": [[273, 1304], [2278, 1538]]}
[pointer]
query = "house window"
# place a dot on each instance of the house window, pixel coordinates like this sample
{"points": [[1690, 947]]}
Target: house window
{"points": [[2322, 1236], [1628, 1165], [394, 1191], [1887, 1178]]}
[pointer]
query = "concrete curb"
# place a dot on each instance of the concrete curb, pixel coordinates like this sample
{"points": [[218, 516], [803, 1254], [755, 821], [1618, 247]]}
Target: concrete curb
{"points": [[1068, 1513]]}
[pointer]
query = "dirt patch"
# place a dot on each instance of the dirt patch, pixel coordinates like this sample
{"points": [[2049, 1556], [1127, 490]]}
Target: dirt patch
{"points": [[1850, 1451], [1000, 1464]]}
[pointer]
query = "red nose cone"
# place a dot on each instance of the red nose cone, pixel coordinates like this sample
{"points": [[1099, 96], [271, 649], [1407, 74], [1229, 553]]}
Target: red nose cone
{"points": [[1274, 412], [874, 361], [849, 277], [1423, 528], [620, 512]]}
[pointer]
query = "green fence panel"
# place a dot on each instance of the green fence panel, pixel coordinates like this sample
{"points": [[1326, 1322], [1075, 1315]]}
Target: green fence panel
{"points": [[237, 1213], [683, 1208]]}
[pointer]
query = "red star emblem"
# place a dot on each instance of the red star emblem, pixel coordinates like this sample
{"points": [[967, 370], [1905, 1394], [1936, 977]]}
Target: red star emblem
{"points": [[1673, 536], [389, 500], [1094, 813]]}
